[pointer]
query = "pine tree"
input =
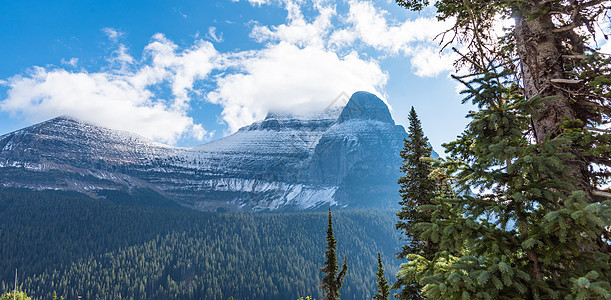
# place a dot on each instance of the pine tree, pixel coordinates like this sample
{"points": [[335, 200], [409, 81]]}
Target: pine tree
{"points": [[416, 187], [531, 221], [332, 281], [417, 190], [383, 287]]}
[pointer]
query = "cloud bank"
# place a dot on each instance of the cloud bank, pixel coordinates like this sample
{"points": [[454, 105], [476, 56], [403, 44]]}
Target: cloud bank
{"points": [[300, 66], [287, 78], [123, 97]]}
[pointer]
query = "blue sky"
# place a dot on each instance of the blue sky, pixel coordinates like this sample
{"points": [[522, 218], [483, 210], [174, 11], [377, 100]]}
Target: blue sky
{"points": [[188, 72]]}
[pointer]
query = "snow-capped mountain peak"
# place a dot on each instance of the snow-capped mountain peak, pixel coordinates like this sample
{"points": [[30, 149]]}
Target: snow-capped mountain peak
{"points": [[346, 157]]}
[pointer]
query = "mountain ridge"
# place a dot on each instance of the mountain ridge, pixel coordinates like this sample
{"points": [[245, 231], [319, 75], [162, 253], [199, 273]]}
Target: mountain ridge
{"points": [[348, 158]]}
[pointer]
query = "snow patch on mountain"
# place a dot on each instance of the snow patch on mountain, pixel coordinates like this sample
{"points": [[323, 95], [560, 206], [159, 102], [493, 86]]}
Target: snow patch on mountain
{"points": [[345, 157]]}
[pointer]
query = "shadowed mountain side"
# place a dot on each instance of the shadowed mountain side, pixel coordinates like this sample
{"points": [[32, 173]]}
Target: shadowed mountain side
{"points": [[348, 157]]}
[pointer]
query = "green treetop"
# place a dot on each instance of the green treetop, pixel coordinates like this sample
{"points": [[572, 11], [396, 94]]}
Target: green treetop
{"points": [[417, 191], [332, 281], [382, 283]]}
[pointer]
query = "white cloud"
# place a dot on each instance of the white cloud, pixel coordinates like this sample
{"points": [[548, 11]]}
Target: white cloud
{"points": [[412, 38], [428, 62], [121, 98], [298, 70], [298, 31], [120, 60], [180, 69], [213, 36], [287, 78], [97, 97], [112, 33], [302, 66], [70, 62], [255, 2]]}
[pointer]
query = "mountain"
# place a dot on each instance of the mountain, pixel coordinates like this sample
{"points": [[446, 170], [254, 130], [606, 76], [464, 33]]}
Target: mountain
{"points": [[347, 157]]}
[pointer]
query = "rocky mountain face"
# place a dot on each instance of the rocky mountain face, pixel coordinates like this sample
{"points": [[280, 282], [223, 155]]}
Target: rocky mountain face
{"points": [[347, 157]]}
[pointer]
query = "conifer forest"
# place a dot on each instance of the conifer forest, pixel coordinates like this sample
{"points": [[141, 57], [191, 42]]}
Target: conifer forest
{"points": [[517, 206]]}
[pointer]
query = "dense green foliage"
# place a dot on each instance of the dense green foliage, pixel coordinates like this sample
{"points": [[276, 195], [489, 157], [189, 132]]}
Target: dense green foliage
{"points": [[417, 190], [15, 295], [383, 286], [74, 245], [531, 221], [528, 233], [332, 281]]}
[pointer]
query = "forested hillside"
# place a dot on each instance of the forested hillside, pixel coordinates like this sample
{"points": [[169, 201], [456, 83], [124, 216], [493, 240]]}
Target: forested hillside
{"points": [[99, 249]]}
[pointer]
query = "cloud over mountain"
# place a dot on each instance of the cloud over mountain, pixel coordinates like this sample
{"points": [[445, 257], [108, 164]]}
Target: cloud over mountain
{"points": [[301, 65]]}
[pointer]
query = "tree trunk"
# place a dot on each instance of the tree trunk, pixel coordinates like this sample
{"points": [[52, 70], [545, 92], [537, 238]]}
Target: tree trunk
{"points": [[539, 49]]}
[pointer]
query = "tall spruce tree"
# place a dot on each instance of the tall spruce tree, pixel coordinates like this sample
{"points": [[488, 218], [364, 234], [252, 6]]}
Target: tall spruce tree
{"points": [[332, 281], [383, 287], [417, 191], [532, 221]]}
